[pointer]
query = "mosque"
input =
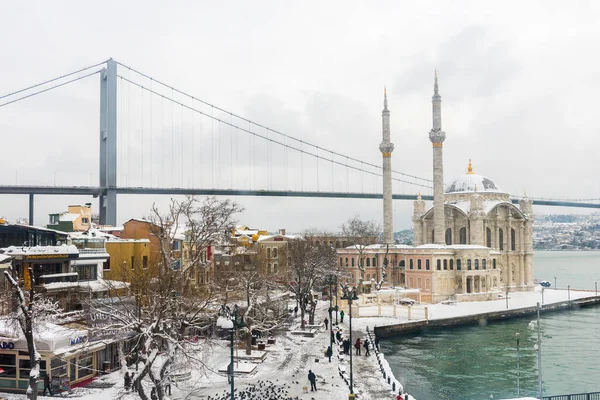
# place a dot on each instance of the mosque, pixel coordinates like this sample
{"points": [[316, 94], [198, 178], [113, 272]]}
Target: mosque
{"points": [[471, 244]]}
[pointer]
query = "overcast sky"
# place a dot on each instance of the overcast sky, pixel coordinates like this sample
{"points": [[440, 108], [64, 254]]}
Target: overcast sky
{"points": [[519, 85]]}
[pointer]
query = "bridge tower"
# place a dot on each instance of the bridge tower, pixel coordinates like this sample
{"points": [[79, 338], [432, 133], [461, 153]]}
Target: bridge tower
{"points": [[437, 137], [386, 148], [108, 144]]}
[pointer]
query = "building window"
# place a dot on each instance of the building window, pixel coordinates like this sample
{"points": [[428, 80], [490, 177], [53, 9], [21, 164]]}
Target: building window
{"points": [[368, 262], [268, 252], [462, 235], [427, 284], [341, 262], [513, 240], [410, 263], [353, 262], [493, 263], [132, 262], [402, 264], [419, 282], [451, 264], [145, 262], [86, 272], [269, 268], [458, 264], [275, 268], [175, 245], [85, 220], [439, 265], [445, 264], [427, 266], [488, 237], [346, 261], [419, 263], [448, 236], [275, 252], [374, 261], [483, 263], [106, 265], [476, 263], [500, 239], [469, 264]]}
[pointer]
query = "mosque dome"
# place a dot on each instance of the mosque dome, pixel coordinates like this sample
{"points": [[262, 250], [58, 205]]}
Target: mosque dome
{"points": [[471, 182]]}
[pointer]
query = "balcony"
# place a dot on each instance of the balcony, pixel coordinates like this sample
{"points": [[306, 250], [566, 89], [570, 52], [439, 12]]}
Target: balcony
{"points": [[57, 278]]}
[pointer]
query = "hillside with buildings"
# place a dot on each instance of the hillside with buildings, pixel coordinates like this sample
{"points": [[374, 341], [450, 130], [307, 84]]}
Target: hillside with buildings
{"points": [[566, 232]]}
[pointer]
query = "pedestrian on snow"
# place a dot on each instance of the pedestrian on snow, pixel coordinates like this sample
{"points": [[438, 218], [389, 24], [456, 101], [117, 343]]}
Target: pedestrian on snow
{"points": [[366, 346], [127, 381], [153, 395], [377, 342], [229, 372], [326, 323], [329, 353], [133, 382], [357, 346], [47, 385], [347, 347], [338, 336], [332, 337], [313, 380], [295, 311], [168, 386], [342, 316]]}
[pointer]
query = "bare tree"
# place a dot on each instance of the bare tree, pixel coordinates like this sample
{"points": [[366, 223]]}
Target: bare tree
{"points": [[174, 308], [360, 234], [309, 264]]}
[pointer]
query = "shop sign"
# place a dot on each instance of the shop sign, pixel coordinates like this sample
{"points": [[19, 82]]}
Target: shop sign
{"points": [[77, 340], [7, 345]]}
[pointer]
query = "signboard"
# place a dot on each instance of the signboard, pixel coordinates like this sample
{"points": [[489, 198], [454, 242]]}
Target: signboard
{"points": [[7, 345], [105, 320]]}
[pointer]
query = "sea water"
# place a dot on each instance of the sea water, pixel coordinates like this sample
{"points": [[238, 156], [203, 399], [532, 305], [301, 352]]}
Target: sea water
{"points": [[477, 362]]}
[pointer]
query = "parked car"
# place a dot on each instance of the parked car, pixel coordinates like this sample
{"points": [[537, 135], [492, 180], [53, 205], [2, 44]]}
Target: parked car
{"points": [[545, 283], [407, 301]]}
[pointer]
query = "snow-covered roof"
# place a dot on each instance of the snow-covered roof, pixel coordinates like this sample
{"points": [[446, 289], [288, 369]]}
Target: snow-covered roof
{"points": [[271, 237], [4, 259], [40, 250], [68, 217], [100, 285], [488, 205], [92, 233], [470, 182]]}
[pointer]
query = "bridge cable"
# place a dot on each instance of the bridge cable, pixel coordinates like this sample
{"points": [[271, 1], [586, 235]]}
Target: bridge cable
{"points": [[48, 89], [265, 127], [52, 80], [302, 152]]}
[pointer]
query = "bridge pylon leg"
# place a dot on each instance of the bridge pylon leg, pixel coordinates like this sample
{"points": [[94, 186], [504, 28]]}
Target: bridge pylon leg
{"points": [[30, 222], [108, 144]]}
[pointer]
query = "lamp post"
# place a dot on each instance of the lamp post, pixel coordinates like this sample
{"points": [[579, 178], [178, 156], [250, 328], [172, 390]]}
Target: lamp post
{"points": [[231, 315], [518, 367], [330, 282], [336, 302], [539, 350], [350, 294]]}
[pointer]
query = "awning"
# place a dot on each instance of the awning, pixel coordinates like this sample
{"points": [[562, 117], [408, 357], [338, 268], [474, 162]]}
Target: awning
{"points": [[73, 350]]}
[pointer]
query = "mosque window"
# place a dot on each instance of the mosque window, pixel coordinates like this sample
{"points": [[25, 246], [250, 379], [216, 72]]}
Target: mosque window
{"points": [[449, 236], [476, 263], [347, 261], [275, 252], [402, 264], [268, 252], [488, 237], [353, 262], [469, 264], [500, 239], [419, 263], [483, 263], [274, 268], [493, 263], [439, 265], [445, 264], [458, 264], [451, 264], [410, 264], [512, 239], [374, 261], [368, 262], [341, 262], [462, 235], [427, 266]]}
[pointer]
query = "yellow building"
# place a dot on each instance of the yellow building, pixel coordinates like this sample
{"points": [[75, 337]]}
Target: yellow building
{"points": [[129, 259], [78, 218]]}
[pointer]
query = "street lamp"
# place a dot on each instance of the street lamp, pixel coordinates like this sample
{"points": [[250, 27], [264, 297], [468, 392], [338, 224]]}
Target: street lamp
{"points": [[330, 282], [350, 294], [230, 323], [518, 367]]}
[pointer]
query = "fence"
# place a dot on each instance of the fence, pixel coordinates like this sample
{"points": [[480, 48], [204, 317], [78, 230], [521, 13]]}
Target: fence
{"points": [[578, 396]]}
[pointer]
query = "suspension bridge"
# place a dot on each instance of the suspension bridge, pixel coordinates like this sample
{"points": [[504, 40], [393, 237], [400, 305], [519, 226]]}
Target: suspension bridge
{"points": [[169, 142]]}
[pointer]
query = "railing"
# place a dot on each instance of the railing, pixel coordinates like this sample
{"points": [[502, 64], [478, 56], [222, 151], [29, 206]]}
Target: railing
{"points": [[578, 396], [54, 278]]}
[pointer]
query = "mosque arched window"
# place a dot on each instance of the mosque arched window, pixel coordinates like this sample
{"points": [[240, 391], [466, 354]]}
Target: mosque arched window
{"points": [[445, 264], [458, 264], [352, 261], [402, 264], [451, 264], [427, 266], [368, 262], [268, 252], [346, 261], [488, 237], [439, 265], [483, 264], [341, 262], [419, 264], [374, 261], [476, 263], [462, 235], [469, 264], [493, 263], [449, 236], [513, 239], [500, 239], [410, 264]]}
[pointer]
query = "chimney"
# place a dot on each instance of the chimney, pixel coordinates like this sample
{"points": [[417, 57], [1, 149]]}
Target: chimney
{"points": [[282, 231]]}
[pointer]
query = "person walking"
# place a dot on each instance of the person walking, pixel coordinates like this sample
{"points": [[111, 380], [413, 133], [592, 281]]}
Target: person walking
{"points": [[47, 385], [295, 311], [366, 346], [133, 382], [346, 345], [377, 342], [332, 337], [357, 346], [329, 352], [338, 336], [127, 381], [313, 381], [153, 395], [342, 316], [326, 323]]}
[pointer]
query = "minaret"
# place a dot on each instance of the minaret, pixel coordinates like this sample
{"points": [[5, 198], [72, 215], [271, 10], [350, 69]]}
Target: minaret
{"points": [[386, 149], [437, 137]]}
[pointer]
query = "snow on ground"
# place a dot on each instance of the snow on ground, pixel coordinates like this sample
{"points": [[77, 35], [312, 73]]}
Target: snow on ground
{"points": [[287, 362]]}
